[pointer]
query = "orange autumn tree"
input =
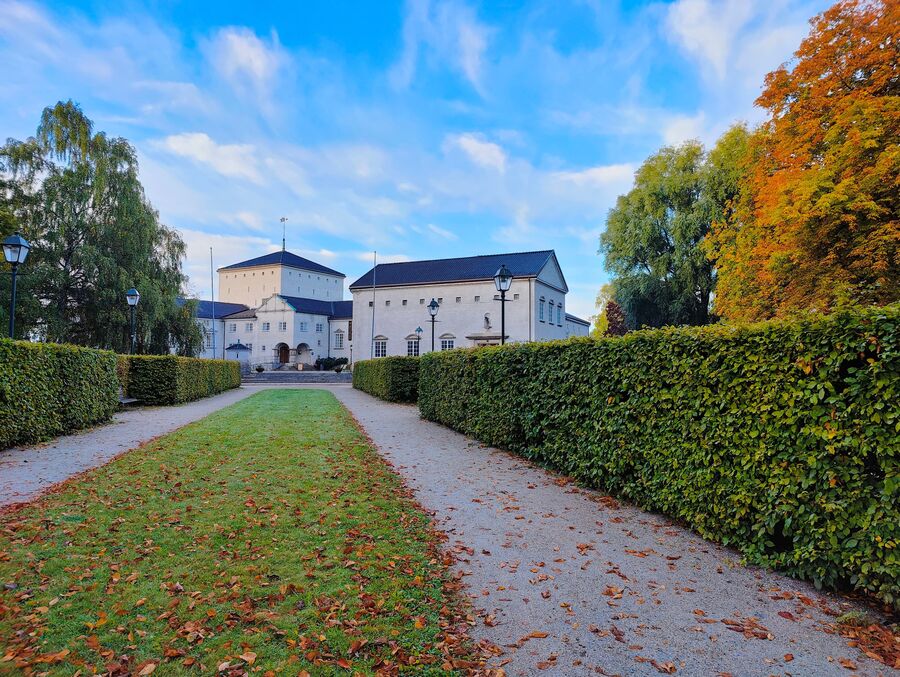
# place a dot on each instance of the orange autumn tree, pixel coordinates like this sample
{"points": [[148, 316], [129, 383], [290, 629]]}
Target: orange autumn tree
{"points": [[817, 224]]}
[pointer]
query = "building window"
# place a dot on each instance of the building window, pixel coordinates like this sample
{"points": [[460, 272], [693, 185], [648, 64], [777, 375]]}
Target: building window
{"points": [[380, 348], [541, 305], [440, 300], [350, 330], [232, 327], [282, 326], [559, 315], [249, 347], [370, 304], [304, 326], [266, 326], [421, 302], [447, 344], [264, 349], [477, 299], [248, 326], [387, 303], [515, 297], [404, 302], [338, 340], [319, 327], [412, 348], [459, 299]]}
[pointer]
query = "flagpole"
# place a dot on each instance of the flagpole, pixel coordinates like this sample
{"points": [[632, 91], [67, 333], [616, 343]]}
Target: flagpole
{"points": [[374, 266], [212, 292]]}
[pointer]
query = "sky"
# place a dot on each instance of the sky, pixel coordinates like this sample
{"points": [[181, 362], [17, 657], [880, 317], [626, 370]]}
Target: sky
{"points": [[419, 129]]}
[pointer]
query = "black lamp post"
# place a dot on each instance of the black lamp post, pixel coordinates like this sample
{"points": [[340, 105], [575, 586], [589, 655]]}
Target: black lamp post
{"points": [[132, 296], [432, 310], [503, 281], [15, 251]]}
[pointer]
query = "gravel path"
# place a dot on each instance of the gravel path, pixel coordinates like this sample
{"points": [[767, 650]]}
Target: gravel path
{"points": [[27, 471], [615, 589]]}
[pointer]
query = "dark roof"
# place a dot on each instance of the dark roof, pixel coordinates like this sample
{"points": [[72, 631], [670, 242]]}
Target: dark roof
{"points": [[284, 258], [578, 320], [469, 268], [318, 307], [237, 346], [248, 314], [205, 308]]}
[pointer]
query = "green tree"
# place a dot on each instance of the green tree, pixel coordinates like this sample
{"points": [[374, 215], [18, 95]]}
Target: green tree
{"points": [[654, 242], [75, 194]]}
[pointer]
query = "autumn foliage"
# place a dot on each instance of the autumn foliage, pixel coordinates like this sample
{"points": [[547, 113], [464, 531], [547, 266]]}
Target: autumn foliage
{"points": [[817, 223]]}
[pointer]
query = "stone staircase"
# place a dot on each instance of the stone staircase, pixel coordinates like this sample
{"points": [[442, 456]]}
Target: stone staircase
{"points": [[291, 377]]}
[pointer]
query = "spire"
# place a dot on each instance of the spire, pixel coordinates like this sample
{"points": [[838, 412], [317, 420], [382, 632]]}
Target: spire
{"points": [[283, 232]]}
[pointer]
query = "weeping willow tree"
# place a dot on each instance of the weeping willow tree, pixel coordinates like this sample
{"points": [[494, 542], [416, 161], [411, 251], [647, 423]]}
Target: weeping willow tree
{"points": [[75, 194]]}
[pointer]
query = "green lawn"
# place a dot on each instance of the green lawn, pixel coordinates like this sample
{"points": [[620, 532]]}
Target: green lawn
{"points": [[267, 537]]}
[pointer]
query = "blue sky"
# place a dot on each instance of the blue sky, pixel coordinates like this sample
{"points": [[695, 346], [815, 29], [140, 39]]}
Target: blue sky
{"points": [[420, 129]]}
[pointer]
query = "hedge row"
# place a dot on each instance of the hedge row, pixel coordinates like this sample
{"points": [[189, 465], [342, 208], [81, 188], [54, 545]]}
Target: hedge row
{"points": [[780, 439], [394, 379], [168, 379], [48, 389]]}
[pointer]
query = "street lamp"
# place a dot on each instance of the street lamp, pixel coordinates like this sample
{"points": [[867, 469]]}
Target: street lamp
{"points": [[418, 340], [132, 296], [15, 251], [503, 281], [432, 310]]}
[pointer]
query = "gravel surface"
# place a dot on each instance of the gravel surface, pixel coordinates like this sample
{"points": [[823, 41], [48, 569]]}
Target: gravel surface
{"points": [[27, 471], [616, 589]]}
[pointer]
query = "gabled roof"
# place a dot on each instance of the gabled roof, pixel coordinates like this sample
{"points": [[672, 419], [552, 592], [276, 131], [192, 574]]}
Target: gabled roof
{"points": [[577, 320], [237, 346], [205, 308], [466, 269], [283, 258], [331, 309], [248, 314]]}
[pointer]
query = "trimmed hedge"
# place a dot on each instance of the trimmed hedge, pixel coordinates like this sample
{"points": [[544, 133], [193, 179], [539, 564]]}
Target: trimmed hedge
{"points": [[47, 389], [781, 439], [168, 379], [394, 379]]}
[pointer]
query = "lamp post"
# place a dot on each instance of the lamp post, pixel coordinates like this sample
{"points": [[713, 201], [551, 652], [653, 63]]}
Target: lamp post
{"points": [[15, 251], [432, 310], [132, 296], [503, 281], [418, 340]]}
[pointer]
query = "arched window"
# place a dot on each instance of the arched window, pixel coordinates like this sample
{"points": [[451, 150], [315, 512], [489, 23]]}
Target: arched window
{"points": [[448, 341], [380, 346]]}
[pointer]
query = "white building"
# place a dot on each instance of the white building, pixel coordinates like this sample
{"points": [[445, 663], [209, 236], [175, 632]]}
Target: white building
{"points": [[469, 314], [283, 310], [278, 309]]}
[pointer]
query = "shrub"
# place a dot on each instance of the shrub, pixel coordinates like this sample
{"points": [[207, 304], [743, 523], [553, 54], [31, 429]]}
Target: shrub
{"points": [[394, 379], [168, 379], [781, 439], [329, 363], [47, 389], [123, 365]]}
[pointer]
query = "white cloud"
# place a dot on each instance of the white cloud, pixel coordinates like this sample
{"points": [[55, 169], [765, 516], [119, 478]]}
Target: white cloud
{"points": [[227, 249], [680, 128], [448, 33], [598, 176], [707, 30], [479, 151], [234, 160], [246, 61], [366, 257]]}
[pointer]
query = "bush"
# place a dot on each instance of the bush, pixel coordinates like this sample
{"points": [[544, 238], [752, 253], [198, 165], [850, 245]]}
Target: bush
{"points": [[47, 389], [168, 379], [329, 363], [394, 379], [781, 439]]}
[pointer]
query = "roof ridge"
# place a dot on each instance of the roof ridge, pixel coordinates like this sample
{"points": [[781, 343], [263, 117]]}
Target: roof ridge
{"points": [[473, 256]]}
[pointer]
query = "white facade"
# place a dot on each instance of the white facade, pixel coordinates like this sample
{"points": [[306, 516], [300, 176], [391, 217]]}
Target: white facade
{"points": [[254, 284], [575, 326], [469, 314]]}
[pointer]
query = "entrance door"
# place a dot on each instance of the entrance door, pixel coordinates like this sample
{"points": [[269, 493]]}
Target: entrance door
{"points": [[284, 354]]}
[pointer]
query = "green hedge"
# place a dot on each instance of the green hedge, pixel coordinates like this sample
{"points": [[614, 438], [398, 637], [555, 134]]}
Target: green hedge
{"points": [[167, 379], [47, 389], [394, 379], [781, 439]]}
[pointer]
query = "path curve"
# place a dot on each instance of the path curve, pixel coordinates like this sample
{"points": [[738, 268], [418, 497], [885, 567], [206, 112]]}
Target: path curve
{"points": [[615, 589]]}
